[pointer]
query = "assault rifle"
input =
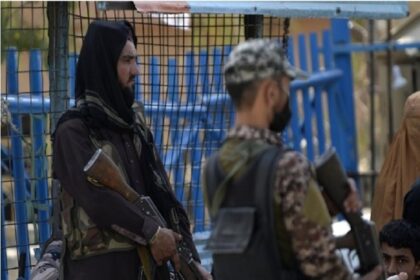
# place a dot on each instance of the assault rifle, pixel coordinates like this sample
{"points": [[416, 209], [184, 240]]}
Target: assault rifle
{"points": [[331, 176], [102, 171]]}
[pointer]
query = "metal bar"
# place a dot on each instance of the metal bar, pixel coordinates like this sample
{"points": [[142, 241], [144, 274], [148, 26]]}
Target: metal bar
{"points": [[38, 147], [318, 79], [389, 84], [137, 83], [217, 70], [196, 193], [304, 9], [328, 61], [294, 122], [345, 100], [227, 50], [174, 156], [173, 91], [190, 78], [190, 131], [25, 104], [58, 22], [157, 121], [298, 9], [115, 5], [318, 94], [154, 79], [307, 120], [296, 129], [4, 270], [22, 239], [215, 102], [204, 72], [372, 83], [376, 47], [72, 74]]}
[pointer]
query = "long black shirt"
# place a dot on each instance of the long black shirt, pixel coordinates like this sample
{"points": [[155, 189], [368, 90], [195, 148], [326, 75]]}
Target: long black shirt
{"points": [[72, 150]]}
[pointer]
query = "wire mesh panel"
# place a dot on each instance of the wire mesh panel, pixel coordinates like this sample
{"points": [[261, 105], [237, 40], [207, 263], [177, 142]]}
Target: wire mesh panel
{"points": [[24, 141], [181, 58]]}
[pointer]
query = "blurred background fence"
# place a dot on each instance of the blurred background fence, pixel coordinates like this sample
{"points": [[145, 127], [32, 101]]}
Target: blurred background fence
{"points": [[180, 58]]}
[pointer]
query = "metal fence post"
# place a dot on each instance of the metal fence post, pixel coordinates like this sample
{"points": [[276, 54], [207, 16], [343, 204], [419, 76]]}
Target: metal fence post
{"points": [[58, 22], [22, 238], [38, 146], [4, 270], [344, 98]]}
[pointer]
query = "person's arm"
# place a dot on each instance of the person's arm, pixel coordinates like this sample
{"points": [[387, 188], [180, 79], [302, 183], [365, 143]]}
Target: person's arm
{"points": [[72, 150], [184, 223], [306, 219], [352, 203]]}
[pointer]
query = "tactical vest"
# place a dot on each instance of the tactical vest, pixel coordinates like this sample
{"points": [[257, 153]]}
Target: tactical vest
{"points": [[243, 237], [82, 237]]}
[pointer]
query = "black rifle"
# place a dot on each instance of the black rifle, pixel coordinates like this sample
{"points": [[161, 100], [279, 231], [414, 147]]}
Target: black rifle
{"points": [[331, 176], [102, 171]]}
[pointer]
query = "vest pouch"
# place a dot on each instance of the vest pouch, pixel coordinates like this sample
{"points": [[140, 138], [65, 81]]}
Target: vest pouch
{"points": [[233, 230]]}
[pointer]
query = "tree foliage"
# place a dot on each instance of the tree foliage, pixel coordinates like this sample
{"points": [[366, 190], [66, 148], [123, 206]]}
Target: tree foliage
{"points": [[18, 31]]}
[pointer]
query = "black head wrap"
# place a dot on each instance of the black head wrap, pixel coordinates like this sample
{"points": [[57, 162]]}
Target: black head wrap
{"points": [[97, 76]]}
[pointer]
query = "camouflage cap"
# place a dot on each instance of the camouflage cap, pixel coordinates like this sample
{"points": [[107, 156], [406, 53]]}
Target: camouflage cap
{"points": [[258, 59]]}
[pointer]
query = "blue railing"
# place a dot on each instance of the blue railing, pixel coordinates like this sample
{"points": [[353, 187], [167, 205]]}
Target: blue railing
{"points": [[197, 123], [18, 170]]}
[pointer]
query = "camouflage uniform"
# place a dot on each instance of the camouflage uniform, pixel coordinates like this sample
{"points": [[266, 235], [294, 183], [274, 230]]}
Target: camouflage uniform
{"points": [[305, 218]]}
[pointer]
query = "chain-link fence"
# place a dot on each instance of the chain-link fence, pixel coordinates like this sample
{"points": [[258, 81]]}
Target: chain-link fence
{"points": [[180, 58]]}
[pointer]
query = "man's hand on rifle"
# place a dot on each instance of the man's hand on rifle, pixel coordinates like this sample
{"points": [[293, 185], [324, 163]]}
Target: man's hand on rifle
{"points": [[163, 247], [352, 202]]}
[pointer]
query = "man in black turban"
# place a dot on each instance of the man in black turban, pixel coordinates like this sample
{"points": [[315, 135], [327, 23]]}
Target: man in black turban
{"points": [[101, 229]]}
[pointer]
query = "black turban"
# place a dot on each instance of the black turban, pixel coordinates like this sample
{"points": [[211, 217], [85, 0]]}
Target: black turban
{"points": [[97, 68]]}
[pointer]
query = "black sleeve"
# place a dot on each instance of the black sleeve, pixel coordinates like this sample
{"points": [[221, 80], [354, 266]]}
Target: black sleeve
{"points": [[72, 150]]}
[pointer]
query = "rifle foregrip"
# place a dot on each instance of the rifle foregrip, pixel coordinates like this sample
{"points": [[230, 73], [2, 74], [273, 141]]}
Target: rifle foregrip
{"points": [[147, 207], [368, 247]]}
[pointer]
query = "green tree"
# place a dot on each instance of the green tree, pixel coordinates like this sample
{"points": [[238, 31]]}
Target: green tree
{"points": [[17, 31]]}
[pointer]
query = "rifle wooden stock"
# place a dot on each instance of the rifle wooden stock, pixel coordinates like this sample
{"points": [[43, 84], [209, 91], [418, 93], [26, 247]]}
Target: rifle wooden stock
{"points": [[101, 169], [331, 176]]}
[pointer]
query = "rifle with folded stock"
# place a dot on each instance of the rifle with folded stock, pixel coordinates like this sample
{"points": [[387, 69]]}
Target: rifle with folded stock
{"points": [[102, 171], [331, 176]]}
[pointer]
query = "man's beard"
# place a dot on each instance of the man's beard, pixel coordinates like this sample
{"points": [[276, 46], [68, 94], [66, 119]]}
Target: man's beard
{"points": [[281, 118], [128, 95]]}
